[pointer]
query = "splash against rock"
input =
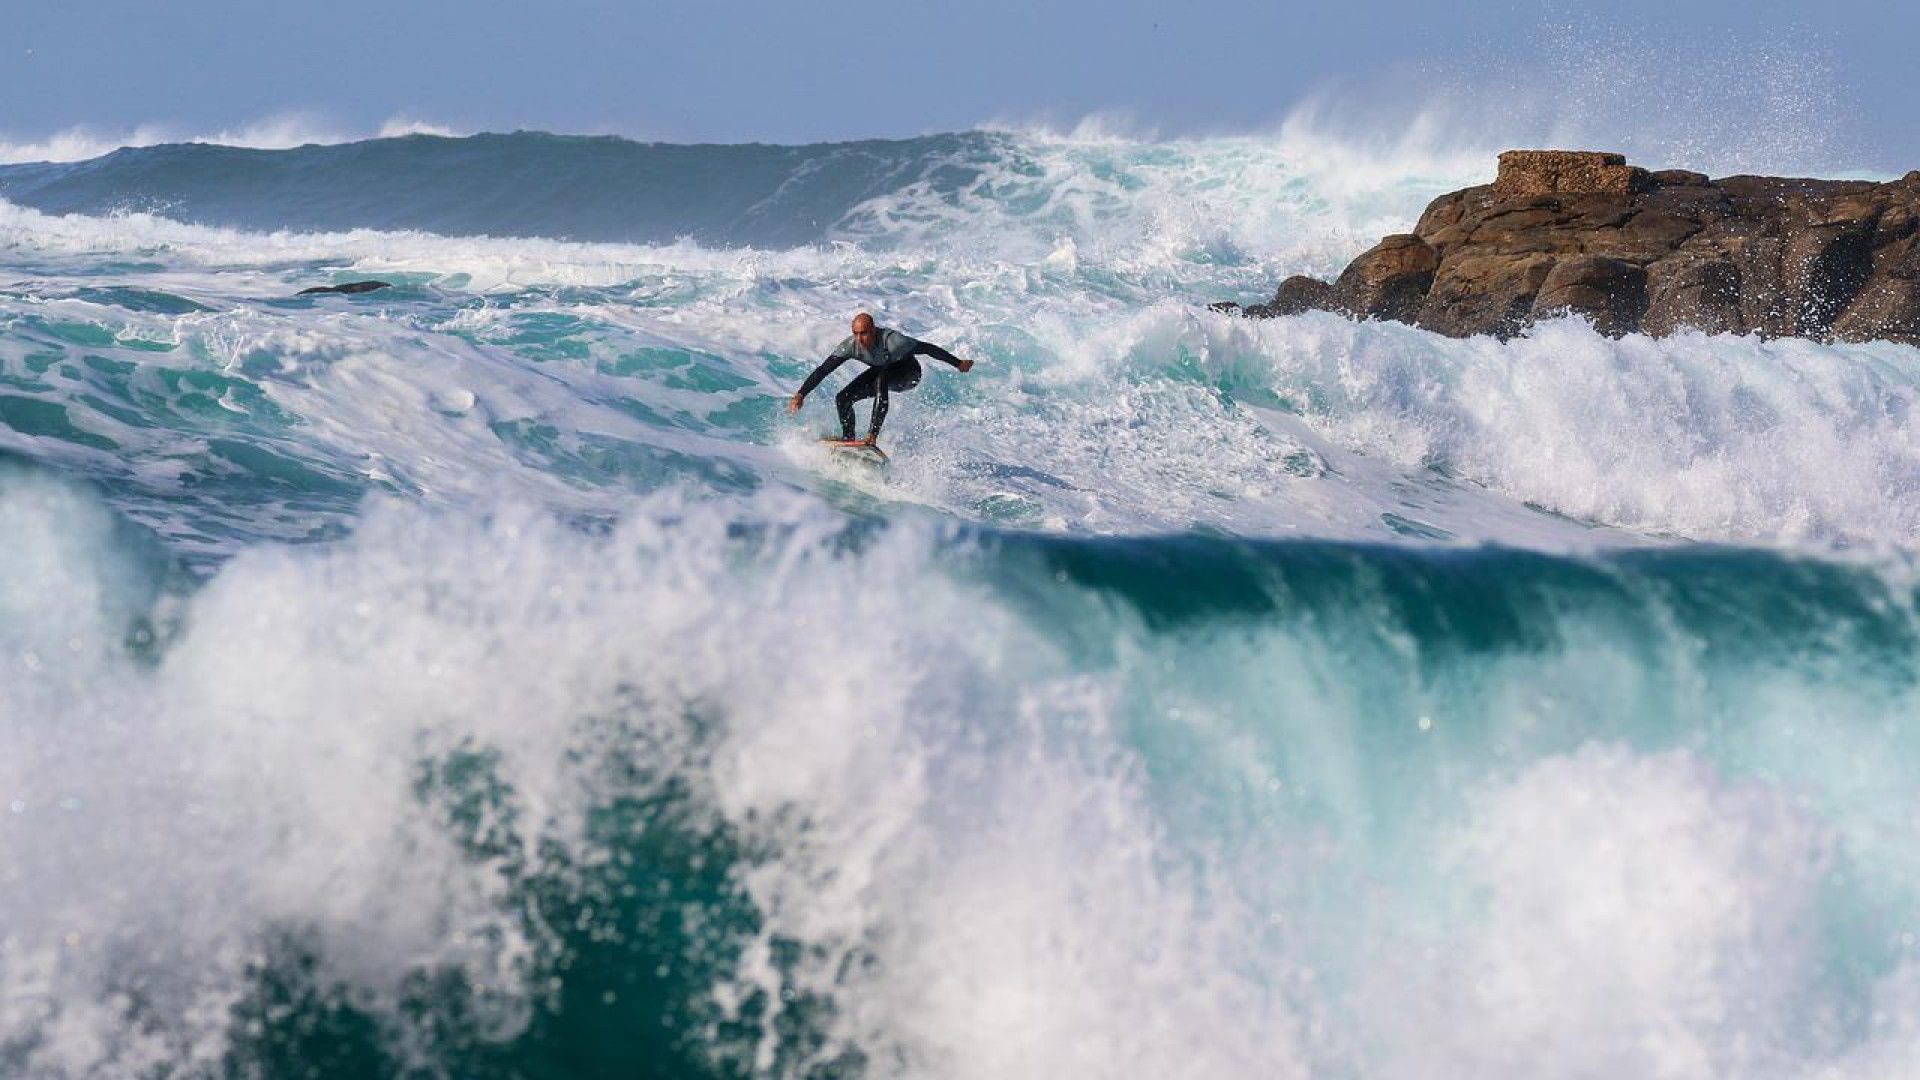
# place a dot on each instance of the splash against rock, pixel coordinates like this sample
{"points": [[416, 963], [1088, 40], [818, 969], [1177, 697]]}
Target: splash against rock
{"points": [[1570, 232]]}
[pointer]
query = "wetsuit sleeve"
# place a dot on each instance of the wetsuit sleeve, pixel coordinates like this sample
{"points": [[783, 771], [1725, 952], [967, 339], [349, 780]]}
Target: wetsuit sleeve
{"points": [[826, 368], [928, 348]]}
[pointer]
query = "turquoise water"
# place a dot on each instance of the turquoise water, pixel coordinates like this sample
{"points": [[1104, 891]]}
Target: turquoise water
{"points": [[484, 677]]}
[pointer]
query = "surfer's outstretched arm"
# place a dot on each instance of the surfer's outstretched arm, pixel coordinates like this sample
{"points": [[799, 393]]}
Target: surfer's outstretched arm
{"points": [[826, 368], [928, 348]]}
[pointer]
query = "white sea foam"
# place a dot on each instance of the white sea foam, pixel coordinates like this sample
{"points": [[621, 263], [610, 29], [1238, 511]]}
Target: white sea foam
{"points": [[278, 132], [1636, 915], [1095, 407], [267, 260], [962, 818], [1295, 203], [1104, 400], [262, 779], [1021, 829], [1740, 101], [1710, 438]]}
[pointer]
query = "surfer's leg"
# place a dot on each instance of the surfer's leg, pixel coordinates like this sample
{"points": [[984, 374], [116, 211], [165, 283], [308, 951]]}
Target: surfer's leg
{"points": [[904, 375], [860, 388]]}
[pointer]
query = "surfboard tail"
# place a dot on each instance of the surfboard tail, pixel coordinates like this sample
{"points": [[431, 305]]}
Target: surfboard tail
{"points": [[858, 449]]}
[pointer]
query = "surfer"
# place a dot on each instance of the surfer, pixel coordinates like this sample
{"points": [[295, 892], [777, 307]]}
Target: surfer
{"points": [[891, 368]]}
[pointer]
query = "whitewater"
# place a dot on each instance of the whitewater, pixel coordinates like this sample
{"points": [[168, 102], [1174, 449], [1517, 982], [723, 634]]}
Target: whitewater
{"points": [[485, 677]]}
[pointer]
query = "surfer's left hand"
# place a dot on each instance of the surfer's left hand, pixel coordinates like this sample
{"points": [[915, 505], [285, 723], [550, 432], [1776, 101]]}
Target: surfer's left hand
{"points": [[966, 365]]}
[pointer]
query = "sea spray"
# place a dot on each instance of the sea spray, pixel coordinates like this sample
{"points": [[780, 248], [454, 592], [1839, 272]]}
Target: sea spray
{"points": [[1035, 787], [479, 677]]}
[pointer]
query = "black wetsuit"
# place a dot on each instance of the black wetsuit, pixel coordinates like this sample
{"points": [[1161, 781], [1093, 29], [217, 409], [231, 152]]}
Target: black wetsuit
{"points": [[891, 367]]}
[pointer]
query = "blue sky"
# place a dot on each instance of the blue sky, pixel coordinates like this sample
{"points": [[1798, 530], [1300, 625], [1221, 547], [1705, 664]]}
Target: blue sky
{"points": [[1834, 77]]}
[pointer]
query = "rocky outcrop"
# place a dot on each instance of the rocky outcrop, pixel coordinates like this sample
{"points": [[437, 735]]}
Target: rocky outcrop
{"points": [[1567, 232]]}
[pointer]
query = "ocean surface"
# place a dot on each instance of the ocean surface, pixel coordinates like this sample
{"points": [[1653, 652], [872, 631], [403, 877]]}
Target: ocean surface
{"points": [[484, 677]]}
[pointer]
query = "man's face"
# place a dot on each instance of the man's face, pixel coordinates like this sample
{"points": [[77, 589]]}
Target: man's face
{"points": [[865, 334]]}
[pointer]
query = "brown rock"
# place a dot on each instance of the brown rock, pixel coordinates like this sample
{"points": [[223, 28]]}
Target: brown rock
{"points": [[1390, 280], [1565, 172], [1885, 311], [1484, 294], [1445, 212], [1567, 231], [1692, 290], [1296, 294], [1610, 292], [1888, 306], [1823, 269], [1299, 293], [1650, 233]]}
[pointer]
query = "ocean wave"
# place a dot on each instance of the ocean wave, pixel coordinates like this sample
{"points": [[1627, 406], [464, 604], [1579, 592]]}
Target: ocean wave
{"points": [[484, 676], [278, 132], [578, 374], [467, 793], [1026, 192]]}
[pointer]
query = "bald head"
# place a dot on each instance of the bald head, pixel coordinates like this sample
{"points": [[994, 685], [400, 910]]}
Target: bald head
{"points": [[863, 327]]}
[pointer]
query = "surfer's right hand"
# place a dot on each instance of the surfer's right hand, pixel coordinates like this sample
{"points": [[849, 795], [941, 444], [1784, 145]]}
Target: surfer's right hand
{"points": [[793, 403]]}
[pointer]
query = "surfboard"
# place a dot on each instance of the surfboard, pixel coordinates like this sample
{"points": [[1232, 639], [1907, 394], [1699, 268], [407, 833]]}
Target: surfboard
{"points": [[854, 450]]}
